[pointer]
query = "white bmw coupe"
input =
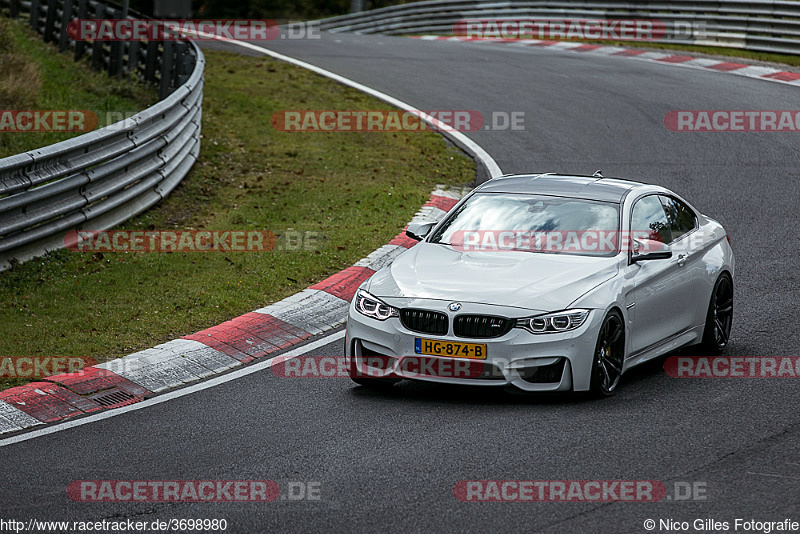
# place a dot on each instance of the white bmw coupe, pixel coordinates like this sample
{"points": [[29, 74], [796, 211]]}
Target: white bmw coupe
{"points": [[545, 282]]}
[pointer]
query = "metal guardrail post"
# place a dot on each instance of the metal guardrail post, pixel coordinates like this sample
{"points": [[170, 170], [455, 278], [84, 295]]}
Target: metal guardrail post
{"points": [[80, 46], [50, 19], [133, 57], [184, 64], [66, 16], [35, 9], [150, 61], [115, 59], [118, 56], [167, 65], [357, 6], [97, 46]]}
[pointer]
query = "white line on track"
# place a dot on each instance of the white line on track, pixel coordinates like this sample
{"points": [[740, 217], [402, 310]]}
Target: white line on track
{"points": [[239, 373]]}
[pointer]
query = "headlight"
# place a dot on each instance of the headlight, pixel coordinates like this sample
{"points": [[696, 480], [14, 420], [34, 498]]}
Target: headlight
{"points": [[562, 321], [373, 307]]}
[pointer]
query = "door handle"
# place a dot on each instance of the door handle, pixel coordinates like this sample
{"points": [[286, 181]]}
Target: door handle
{"points": [[682, 259]]}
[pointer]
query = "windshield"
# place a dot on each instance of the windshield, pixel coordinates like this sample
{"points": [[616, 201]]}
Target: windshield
{"points": [[532, 223]]}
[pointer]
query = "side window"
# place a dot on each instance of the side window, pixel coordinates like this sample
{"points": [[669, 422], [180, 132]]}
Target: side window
{"points": [[681, 218], [648, 216]]}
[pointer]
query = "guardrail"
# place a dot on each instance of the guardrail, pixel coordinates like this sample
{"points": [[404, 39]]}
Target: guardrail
{"points": [[100, 179], [765, 26]]}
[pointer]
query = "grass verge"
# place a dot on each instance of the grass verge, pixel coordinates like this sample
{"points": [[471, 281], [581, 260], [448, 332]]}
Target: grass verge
{"points": [[353, 191], [33, 76]]}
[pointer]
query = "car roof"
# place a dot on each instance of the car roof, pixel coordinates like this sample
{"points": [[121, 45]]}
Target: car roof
{"points": [[563, 185]]}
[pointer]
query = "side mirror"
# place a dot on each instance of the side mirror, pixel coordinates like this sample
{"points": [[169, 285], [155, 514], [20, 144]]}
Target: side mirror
{"points": [[647, 249], [418, 231]]}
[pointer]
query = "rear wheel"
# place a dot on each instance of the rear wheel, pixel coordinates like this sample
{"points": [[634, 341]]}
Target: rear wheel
{"points": [[609, 355], [719, 317]]}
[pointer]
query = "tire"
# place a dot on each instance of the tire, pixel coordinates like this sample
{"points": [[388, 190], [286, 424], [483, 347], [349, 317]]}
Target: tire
{"points": [[719, 317], [609, 355]]}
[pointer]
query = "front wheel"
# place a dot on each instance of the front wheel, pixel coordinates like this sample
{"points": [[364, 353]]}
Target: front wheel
{"points": [[609, 355], [719, 317]]}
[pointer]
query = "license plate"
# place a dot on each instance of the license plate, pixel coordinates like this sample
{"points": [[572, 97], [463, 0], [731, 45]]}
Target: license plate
{"points": [[453, 349]]}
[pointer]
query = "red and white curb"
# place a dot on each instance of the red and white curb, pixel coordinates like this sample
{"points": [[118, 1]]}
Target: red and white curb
{"points": [[750, 71], [313, 311]]}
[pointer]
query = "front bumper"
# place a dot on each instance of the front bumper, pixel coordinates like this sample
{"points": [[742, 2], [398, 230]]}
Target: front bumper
{"points": [[529, 362]]}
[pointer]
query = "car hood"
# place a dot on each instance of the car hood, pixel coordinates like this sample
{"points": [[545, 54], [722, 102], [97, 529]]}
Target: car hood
{"points": [[534, 281]]}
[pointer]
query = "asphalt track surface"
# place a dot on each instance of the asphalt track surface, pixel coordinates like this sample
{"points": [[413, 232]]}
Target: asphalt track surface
{"points": [[389, 461]]}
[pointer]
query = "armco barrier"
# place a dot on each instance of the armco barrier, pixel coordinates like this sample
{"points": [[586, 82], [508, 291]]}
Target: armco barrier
{"points": [[102, 178], [763, 26]]}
